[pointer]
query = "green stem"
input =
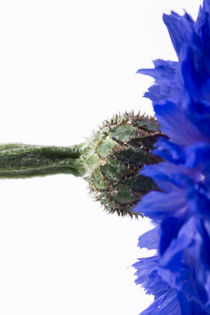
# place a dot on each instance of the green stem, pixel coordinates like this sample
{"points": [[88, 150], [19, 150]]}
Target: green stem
{"points": [[22, 161]]}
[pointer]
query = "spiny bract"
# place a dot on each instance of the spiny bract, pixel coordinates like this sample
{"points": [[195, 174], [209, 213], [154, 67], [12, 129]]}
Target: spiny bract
{"points": [[115, 154]]}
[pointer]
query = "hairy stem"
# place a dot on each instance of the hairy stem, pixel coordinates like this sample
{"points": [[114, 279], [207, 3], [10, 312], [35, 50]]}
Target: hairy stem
{"points": [[22, 161]]}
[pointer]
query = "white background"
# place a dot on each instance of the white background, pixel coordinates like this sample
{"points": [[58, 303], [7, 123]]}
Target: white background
{"points": [[64, 67]]}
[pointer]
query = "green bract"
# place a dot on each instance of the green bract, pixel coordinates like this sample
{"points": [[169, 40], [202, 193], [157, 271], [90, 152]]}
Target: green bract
{"points": [[114, 156]]}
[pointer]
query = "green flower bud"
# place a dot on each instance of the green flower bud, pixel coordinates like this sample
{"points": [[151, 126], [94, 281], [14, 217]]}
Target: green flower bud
{"points": [[110, 161], [115, 155]]}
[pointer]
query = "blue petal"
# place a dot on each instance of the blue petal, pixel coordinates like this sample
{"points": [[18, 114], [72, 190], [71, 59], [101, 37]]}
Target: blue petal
{"points": [[182, 262], [158, 205], [180, 29], [190, 307], [170, 177], [172, 118], [169, 151], [201, 27], [194, 71], [177, 246], [163, 71], [169, 230], [164, 305], [144, 267], [150, 239], [196, 154], [199, 200], [165, 87]]}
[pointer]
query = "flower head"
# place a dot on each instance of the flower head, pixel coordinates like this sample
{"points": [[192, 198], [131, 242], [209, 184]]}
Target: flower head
{"points": [[181, 209]]}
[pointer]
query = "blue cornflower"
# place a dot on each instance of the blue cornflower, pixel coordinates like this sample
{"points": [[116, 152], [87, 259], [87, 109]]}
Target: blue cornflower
{"points": [[181, 209]]}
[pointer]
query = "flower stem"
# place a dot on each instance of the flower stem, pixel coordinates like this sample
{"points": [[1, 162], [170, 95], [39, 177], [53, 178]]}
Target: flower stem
{"points": [[22, 161]]}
